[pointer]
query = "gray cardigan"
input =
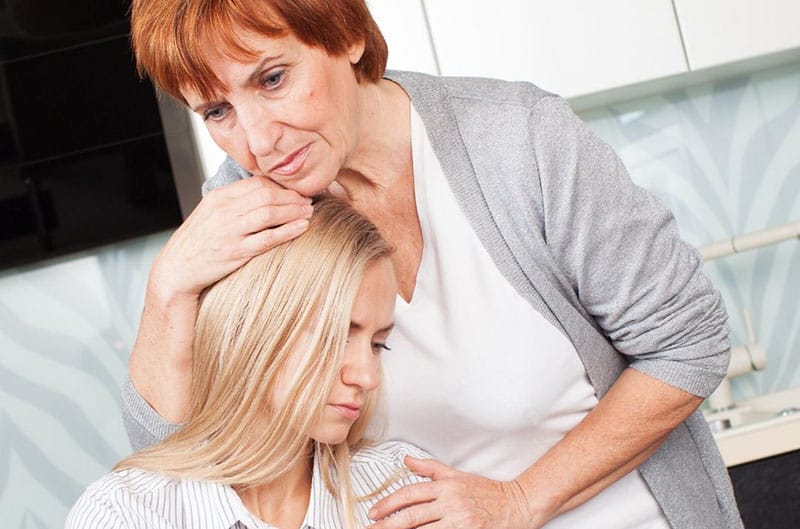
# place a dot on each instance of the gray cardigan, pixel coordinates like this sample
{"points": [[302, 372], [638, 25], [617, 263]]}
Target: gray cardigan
{"points": [[597, 256]]}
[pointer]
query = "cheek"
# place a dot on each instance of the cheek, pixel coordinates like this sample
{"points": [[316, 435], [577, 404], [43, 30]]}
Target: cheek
{"points": [[223, 138], [234, 144]]}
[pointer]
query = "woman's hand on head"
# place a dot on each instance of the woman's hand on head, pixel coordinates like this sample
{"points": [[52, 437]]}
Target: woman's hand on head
{"points": [[452, 499], [228, 227]]}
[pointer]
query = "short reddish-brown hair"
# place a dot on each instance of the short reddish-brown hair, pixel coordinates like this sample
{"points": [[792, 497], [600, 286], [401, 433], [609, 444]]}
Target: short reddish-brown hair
{"points": [[168, 36]]}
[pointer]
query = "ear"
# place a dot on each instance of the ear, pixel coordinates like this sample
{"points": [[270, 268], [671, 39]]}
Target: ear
{"points": [[356, 51]]}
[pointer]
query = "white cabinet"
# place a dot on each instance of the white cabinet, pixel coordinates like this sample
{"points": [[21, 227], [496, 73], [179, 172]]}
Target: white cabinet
{"points": [[723, 31], [571, 47], [402, 23]]}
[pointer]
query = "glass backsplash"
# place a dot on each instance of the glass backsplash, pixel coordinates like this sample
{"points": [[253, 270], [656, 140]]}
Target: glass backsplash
{"points": [[66, 329], [725, 157]]}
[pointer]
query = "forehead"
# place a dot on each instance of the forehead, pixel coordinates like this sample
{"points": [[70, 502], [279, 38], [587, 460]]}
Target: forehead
{"points": [[231, 64], [374, 303]]}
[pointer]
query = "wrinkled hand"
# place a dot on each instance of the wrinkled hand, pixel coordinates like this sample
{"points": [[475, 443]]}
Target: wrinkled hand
{"points": [[228, 227], [452, 499]]}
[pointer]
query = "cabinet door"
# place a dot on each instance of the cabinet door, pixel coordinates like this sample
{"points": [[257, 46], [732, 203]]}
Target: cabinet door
{"points": [[723, 31], [571, 47], [403, 25]]}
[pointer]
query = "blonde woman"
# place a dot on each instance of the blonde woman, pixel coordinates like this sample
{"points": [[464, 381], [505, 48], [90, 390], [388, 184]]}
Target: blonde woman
{"points": [[286, 364]]}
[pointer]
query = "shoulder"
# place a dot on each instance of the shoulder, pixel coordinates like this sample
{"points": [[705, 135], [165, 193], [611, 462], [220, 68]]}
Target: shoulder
{"points": [[379, 470], [381, 466], [108, 501], [494, 119], [227, 173], [389, 453], [473, 91]]}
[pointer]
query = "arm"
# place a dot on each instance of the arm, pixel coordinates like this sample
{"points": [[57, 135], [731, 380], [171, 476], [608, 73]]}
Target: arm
{"points": [[626, 427], [230, 225]]}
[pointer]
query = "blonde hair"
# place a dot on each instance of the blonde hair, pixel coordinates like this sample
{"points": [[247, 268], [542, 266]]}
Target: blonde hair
{"points": [[295, 298]]}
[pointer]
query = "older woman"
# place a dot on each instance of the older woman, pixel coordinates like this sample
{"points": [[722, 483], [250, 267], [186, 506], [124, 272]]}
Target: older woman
{"points": [[554, 337]]}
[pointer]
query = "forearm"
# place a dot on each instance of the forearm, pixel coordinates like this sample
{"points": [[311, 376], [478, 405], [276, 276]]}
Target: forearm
{"points": [[626, 427], [160, 365]]}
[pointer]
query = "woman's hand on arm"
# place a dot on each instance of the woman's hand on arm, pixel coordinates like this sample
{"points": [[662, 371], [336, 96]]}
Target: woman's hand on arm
{"points": [[451, 499], [228, 227], [626, 427]]}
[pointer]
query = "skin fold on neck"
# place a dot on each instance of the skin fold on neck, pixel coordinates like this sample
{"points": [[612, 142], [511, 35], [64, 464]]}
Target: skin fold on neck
{"points": [[383, 149], [378, 178]]}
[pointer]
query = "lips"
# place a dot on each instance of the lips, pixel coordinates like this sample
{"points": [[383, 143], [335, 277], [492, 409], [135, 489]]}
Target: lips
{"points": [[291, 163], [349, 411]]}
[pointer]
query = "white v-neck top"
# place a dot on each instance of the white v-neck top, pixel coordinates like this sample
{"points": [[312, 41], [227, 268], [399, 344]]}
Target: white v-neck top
{"points": [[495, 385]]}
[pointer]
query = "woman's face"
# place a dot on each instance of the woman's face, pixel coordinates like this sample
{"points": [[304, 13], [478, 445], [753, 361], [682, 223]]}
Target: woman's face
{"points": [[290, 114], [371, 322]]}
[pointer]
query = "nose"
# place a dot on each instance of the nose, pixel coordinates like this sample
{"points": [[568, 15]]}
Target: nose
{"points": [[361, 368], [261, 131]]}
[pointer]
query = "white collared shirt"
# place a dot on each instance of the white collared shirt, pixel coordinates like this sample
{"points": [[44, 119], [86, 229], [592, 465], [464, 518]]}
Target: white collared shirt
{"points": [[139, 499]]}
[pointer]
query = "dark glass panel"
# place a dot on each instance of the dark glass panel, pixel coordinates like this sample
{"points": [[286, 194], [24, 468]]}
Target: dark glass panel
{"points": [[86, 200], [39, 26], [76, 99], [19, 231]]}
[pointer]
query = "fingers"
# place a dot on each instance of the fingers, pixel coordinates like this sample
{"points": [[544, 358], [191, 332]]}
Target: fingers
{"points": [[418, 493], [422, 515], [229, 226], [255, 204], [402, 500], [259, 189], [260, 242], [430, 468], [270, 216]]}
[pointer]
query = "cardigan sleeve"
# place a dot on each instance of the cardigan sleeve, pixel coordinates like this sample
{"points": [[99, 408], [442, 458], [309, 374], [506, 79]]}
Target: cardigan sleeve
{"points": [[621, 250], [144, 426]]}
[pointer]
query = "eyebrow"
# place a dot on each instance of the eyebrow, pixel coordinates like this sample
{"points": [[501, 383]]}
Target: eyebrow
{"points": [[251, 79], [202, 107], [355, 326]]}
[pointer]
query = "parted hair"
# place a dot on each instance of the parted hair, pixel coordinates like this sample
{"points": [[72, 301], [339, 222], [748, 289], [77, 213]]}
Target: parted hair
{"points": [[168, 36], [295, 299]]}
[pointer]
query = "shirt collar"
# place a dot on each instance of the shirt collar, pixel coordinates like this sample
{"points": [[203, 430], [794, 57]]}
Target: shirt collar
{"points": [[222, 508]]}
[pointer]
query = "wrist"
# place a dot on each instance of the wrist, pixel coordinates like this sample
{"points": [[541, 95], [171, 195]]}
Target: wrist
{"points": [[166, 293], [535, 508]]}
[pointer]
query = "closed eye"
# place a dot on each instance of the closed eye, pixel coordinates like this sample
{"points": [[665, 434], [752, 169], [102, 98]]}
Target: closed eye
{"points": [[378, 347]]}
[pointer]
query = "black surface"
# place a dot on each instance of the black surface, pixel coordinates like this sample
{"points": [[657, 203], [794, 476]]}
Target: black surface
{"points": [[768, 492], [83, 161]]}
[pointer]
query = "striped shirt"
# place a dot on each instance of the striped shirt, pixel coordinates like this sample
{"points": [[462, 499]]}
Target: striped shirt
{"points": [[139, 499]]}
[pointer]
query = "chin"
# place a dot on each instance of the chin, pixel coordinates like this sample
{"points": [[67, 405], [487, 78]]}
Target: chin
{"points": [[332, 436]]}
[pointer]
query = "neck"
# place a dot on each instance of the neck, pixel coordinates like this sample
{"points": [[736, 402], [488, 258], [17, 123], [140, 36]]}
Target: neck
{"points": [[382, 156], [284, 501]]}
